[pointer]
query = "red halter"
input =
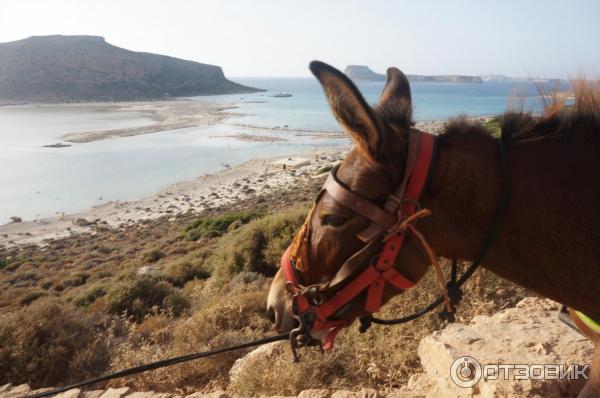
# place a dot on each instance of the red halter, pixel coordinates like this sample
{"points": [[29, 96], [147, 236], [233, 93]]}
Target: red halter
{"points": [[374, 277]]}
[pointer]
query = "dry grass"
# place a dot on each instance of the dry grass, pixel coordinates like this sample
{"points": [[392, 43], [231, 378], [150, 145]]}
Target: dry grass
{"points": [[383, 357], [78, 307], [49, 343]]}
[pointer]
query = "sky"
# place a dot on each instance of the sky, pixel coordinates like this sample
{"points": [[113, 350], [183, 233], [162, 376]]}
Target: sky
{"points": [[534, 38]]}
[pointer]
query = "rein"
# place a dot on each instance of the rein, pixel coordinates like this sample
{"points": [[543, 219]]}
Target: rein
{"points": [[157, 365], [314, 309]]}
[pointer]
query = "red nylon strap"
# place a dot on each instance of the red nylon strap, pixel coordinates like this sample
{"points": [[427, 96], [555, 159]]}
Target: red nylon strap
{"points": [[292, 282], [387, 258]]}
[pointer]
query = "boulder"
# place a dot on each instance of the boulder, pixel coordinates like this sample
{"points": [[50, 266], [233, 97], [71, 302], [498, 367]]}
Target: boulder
{"points": [[315, 393], [531, 333], [116, 392], [262, 353]]}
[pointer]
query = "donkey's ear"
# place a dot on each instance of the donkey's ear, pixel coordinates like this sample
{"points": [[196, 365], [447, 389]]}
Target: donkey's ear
{"points": [[395, 103], [349, 107]]}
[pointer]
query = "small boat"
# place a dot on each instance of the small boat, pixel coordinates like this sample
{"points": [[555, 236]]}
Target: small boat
{"points": [[282, 95]]}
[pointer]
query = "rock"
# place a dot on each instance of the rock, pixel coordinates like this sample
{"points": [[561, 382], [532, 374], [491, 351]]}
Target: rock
{"points": [[115, 392], [262, 353], [315, 393], [81, 222], [364, 393], [528, 334], [214, 394], [74, 393], [5, 388], [16, 219], [16, 391], [149, 394], [145, 270], [92, 394]]}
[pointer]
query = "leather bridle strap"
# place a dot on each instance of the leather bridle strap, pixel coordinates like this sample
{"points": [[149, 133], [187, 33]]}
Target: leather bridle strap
{"points": [[358, 204]]}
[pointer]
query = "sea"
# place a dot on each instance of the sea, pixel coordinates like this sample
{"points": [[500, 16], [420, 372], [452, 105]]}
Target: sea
{"points": [[37, 182]]}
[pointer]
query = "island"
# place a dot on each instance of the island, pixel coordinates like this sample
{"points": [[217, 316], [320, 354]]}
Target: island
{"points": [[364, 73], [61, 68]]}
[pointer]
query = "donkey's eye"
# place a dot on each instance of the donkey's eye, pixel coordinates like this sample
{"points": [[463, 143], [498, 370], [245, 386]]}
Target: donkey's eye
{"points": [[333, 220]]}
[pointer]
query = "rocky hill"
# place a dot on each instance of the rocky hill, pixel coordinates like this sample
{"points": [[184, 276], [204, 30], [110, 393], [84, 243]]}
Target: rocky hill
{"points": [[87, 68], [364, 73]]}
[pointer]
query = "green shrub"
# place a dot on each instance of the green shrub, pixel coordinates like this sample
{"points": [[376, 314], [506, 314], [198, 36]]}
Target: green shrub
{"points": [[494, 126], [256, 247], [136, 296], [181, 272], [89, 295], [216, 226], [48, 343], [153, 255]]}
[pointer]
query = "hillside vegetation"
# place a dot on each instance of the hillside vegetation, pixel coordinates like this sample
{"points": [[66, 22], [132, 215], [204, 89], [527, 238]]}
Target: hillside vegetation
{"points": [[114, 298]]}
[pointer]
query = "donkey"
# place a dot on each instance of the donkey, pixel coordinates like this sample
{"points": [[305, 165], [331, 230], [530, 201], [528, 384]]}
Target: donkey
{"points": [[547, 240]]}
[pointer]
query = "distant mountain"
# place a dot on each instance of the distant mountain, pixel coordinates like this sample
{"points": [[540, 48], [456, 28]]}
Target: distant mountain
{"points": [[363, 73], [495, 78], [87, 68]]}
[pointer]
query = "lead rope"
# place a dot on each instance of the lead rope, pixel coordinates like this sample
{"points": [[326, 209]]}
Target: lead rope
{"points": [[454, 285], [158, 364]]}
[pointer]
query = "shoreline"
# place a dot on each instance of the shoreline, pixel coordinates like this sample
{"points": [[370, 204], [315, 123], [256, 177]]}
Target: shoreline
{"points": [[229, 185], [168, 115], [252, 178]]}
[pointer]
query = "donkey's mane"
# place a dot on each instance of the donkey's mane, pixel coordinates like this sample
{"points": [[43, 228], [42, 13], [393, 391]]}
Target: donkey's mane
{"points": [[559, 121]]}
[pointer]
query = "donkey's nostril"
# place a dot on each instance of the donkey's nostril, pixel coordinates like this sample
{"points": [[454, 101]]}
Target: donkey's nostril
{"points": [[271, 314]]}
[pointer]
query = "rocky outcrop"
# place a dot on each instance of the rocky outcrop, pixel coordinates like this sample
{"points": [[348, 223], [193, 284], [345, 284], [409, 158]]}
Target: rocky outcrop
{"points": [[530, 333], [364, 73], [87, 68]]}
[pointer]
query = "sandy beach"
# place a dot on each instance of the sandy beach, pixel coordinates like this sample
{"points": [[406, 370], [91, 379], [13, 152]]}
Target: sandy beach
{"points": [[230, 185], [169, 115]]}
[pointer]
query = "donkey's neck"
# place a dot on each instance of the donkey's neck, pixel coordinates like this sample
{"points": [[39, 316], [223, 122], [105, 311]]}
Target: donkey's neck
{"points": [[548, 239]]}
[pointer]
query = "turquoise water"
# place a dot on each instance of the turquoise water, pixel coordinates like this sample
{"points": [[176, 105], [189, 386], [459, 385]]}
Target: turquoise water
{"points": [[39, 182], [307, 108]]}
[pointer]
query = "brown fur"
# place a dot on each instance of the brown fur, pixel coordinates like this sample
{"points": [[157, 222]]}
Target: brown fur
{"points": [[549, 237]]}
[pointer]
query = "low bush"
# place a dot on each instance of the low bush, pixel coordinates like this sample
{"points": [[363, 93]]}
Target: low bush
{"points": [[31, 296], [153, 255], [183, 271], [229, 318], [50, 342], [217, 225], [137, 295], [256, 247], [494, 126], [89, 295]]}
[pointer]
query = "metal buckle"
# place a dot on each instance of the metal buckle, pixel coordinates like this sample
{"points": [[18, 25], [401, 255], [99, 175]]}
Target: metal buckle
{"points": [[300, 336]]}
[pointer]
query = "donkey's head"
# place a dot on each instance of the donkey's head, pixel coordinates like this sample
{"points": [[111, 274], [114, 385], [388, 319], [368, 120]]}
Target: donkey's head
{"points": [[331, 245]]}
